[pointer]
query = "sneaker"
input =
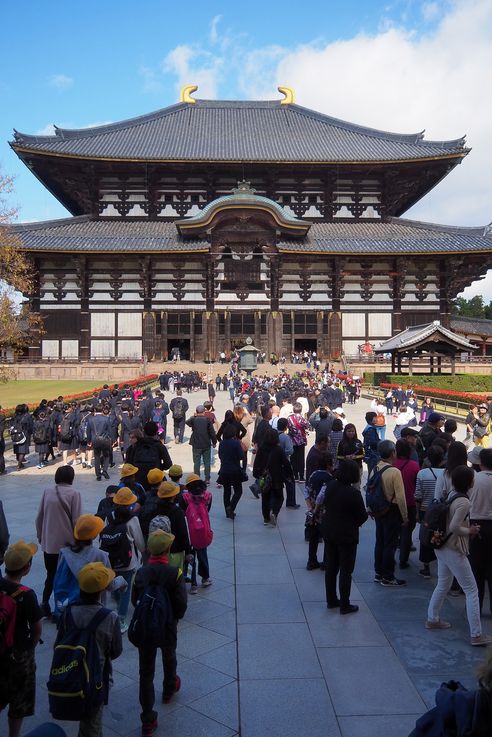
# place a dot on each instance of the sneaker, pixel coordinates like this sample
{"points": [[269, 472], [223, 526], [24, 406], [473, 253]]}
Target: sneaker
{"points": [[84, 465], [266, 522], [166, 698], [377, 578], [194, 589], [350, 609], [481, 640], [312, 565], [293, 506], [393, 582], [123, 627], [98, 478], [273, 519], [40, 465], [89, 465], [439, 625], [425, 572], [105, 474], [206, 582], [149, 728]]}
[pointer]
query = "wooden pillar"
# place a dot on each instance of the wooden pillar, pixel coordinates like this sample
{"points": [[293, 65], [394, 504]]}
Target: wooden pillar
{"points": [[83, 282], [192, 336], [227, 331], [410, 364], [484, 346], [453, 364], [164, 351], [398, 358], [396, 293], [444, 293], [257, 336], [439, 364], [431, 363], [393, 369]]}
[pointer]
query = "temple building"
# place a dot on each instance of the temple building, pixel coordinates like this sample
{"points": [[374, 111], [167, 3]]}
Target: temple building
{"points": [[206, 222]]}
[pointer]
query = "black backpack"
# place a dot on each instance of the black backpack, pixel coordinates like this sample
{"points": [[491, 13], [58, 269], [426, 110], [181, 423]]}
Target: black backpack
{"points": [[151, 617], [77, 685], [435, 523], [66, 429], [17, 434], [178, 409], [40, 432], [115, 541], [376, 502]]}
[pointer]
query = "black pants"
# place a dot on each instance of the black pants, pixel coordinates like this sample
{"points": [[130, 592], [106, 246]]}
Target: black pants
{"points": [[481, 558], [339, 561], [406, 535], [272, 502], [313, 536], [101, 460], [387, 534], [297, 461], [50, 563], [426, 553], [179, 428], [146, 663], [229, 487]]}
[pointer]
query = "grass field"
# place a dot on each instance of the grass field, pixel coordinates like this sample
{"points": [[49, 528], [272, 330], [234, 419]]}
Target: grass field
{"points": [[16, 392]]}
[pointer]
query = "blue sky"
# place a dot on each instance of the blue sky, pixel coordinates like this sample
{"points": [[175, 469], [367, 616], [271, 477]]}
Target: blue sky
{"points": [[402, 65]]}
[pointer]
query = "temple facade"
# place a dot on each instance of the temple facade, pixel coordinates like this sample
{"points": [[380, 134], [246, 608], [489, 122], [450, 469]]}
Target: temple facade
{"points": [[206, 222]]}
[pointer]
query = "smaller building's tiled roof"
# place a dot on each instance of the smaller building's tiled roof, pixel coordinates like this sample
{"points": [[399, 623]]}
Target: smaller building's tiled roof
{"points": [[418, 334], [471, 326], [228, 130]]}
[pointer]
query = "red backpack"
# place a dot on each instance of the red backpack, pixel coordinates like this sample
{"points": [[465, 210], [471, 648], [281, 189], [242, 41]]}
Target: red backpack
{"points": [[201, 534], [8, 612]]}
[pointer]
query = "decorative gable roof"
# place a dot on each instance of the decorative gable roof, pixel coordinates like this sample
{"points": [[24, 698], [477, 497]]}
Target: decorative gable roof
{"points": [[419, 336]]}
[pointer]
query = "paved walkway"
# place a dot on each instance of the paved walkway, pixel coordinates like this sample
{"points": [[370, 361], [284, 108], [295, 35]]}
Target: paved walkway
{"points": [[259, 653]]}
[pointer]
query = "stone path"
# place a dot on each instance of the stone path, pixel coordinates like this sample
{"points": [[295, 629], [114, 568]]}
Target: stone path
{"points": [[258, 652]]}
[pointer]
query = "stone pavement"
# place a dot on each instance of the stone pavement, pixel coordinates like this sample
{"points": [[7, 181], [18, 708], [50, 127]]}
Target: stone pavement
{"points": [[259, 654]]}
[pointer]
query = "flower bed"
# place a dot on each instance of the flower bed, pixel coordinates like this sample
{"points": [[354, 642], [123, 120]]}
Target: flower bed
{"points": [[439, 393], [132, 383]]}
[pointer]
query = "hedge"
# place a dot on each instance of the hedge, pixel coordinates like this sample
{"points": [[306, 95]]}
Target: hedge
{"points": [[475, 383]]}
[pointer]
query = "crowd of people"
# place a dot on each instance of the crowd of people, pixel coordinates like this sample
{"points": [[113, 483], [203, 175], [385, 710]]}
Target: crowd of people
{"points": [[147, 542]]}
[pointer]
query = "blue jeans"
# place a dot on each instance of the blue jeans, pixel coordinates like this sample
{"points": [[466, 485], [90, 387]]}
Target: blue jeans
{"points": [[381, 431], [201, 555], [231, 393], [123, 597], [199, 455]]}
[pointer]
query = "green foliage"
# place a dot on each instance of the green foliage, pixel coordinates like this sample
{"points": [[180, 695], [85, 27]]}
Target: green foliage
{"points": [[460, 382], [473, 307]]}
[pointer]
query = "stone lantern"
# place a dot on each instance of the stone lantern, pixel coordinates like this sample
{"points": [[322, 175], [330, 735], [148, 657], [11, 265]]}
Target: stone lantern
{"points": [[248, 357]]}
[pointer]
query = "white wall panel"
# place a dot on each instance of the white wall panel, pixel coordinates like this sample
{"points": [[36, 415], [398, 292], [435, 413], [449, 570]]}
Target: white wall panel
{"points": [[351, 347], [379, 324], [353, 324], [102, 324], [130, 349], [129, 323], [70, 349], [102, 349], [50, 348]]}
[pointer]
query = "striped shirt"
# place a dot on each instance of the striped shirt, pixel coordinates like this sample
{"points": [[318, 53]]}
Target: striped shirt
{"points": [[425, 487]]}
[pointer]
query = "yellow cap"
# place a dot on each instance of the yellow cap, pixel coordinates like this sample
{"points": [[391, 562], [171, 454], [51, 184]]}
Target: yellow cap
{"points": [[155, 476], [167, 490], [175, 471], [95, 577], [125, 497], [191, 478], [18, 555], [128, 470], [88, 527], [159, 542]]}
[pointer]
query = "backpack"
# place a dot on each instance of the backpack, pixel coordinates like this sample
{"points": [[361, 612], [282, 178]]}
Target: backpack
{"points": [[376, 502], [160, 522], [115, 541], [66, 429], [265, 482], [17, 434], [435, 523], [83, 430], [65, 588], [40, 432], [201, 534], [178, 409], [77, 685], [8, 614], [151, 616]]}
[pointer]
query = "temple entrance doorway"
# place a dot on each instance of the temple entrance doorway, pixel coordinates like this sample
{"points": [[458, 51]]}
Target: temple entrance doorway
{"points": [[181, 346], [305, 344]]}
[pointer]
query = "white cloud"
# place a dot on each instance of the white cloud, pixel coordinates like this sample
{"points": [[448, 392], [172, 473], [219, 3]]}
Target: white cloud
{"points": [[48, 130], [214, 34], [96, 124], [152, 83], [61, 82], [430, 11], [194, 65]]}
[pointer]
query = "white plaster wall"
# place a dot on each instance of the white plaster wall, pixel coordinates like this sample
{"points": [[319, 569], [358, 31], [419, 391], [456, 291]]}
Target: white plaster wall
{"points": [[103, 325]]}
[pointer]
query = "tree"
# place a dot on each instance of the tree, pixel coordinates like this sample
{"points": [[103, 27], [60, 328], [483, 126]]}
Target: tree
{"points": [[473, 307], [17, 323]]}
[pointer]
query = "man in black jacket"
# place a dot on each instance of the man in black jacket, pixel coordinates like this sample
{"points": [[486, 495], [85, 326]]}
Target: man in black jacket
{"points": [[99, 438], [202, 438], [159, 572], [147, 453]]}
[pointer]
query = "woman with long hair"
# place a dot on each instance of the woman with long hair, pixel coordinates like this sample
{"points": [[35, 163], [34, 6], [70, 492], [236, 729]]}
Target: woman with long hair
{"points": [[457, 456], [242, 416], [350, 448]]}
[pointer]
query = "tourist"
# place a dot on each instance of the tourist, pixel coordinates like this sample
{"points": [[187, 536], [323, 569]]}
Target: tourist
{"points": [[298, 429], [128, 478], [58, 511], [179, 407], [94, 579], [481, 515], [130, 423], [86, 453], [456, 456], [168, 515], [425, 410], [159, 573], [105, 507], [431, 429], [371, 441], [198, 502], [425, 491], [287, 446], [318, 480], [202, 438], [272, 459], [405, 418], [41, 437], [155, 477], [388, 400], [18, 670], [230, 472], [20, 434], [316, 452], [388, 527], [481, 425], [350, 447], [99, 440], [409, 470], [68, 432], [321, 420], [2, 442], [344, 513], [148, 453], [452, 560]]}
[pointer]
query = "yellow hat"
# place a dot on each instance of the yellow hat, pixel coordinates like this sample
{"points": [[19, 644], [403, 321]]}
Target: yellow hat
{"points": [[191, 478], [128, 470], [18, 555], [95, 577], [167, 490], [159, 542], [155, 476], [175, 471], [125, 497], [88, 527]]}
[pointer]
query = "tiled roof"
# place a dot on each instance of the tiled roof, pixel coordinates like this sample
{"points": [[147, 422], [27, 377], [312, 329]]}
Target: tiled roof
{"points": [[238, 131], [417, 334], [397, 236], [471, 325]]}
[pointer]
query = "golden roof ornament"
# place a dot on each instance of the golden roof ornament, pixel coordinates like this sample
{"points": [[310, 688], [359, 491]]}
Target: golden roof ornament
{"points": [[186, 93], [288, 93]]}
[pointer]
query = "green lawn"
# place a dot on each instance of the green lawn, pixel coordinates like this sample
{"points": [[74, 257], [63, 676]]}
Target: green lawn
{"points": [[16, 392]]}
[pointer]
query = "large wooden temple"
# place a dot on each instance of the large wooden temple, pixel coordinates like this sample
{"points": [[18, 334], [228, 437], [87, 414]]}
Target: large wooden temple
{"points": [[209, 221]]}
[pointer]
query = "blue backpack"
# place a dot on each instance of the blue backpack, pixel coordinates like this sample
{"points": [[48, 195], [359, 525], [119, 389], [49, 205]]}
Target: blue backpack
{"points": [[151, 616], [77, 685], [65, 588], [376, 502]]}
